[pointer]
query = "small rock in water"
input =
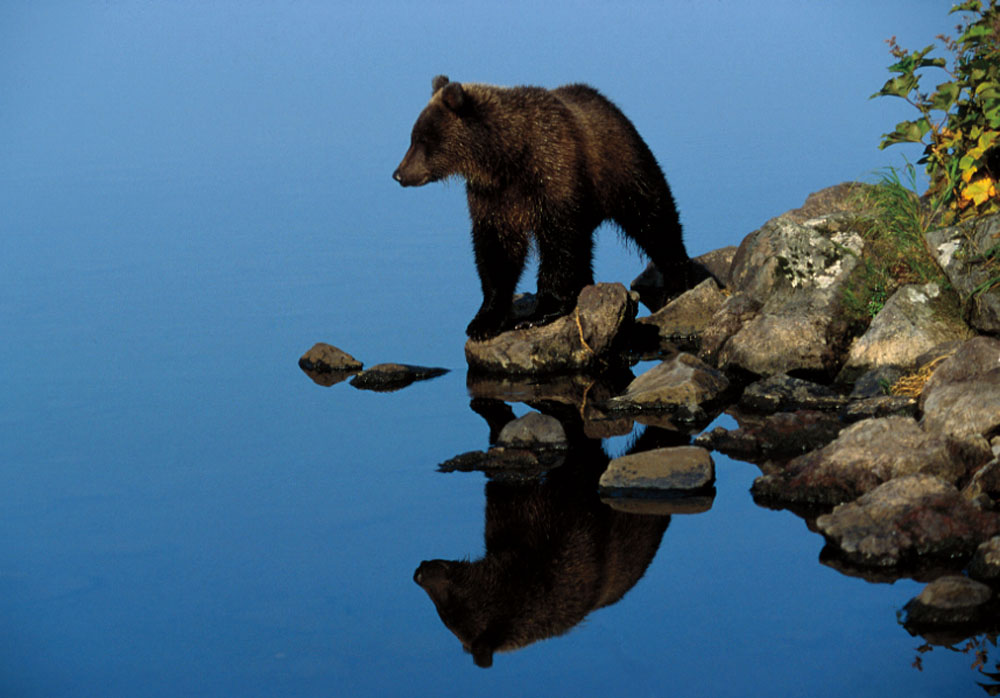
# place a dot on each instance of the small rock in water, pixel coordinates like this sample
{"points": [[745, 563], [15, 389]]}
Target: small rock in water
{"points": [[389, 377], [985, 564], [533, 430], [951, 600], [678, 468], [326, 357]]}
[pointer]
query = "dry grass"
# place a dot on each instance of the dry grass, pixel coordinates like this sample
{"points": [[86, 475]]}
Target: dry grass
{"points": [[912, 384]]}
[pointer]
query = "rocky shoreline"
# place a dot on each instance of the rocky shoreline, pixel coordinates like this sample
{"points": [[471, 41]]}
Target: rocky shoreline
{"points": [[884, 436]]}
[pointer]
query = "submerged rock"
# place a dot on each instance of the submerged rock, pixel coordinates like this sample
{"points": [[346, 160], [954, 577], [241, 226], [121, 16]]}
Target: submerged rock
{"points": [[587, 338], [963, 395], [865, 455], [389, 377], [673, 469], [950, 600], [906, 519]]}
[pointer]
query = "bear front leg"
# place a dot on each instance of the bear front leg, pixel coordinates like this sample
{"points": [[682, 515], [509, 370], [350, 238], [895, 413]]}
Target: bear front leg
{"points": [[499, 260]]}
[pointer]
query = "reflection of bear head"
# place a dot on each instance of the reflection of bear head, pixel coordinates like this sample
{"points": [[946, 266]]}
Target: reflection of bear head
{"points": [[440, 141]]}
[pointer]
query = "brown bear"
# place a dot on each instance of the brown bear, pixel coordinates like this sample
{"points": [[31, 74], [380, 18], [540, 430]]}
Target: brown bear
{"points": [[548, 165]]}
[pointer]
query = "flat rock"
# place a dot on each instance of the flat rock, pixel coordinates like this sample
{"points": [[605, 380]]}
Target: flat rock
{"points": [[963, 394], [962, 251], [914, 320], [906, 519], [865, 455], [582, 340], [950, 600], [678, 468], [389, 377], [682, 384]]}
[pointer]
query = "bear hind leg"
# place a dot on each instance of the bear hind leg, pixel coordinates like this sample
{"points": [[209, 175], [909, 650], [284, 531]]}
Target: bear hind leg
{"points": [[655, 228], [565, 266]]}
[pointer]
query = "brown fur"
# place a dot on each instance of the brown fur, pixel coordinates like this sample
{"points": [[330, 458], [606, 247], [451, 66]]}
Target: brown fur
{"points": [[542, 165]]}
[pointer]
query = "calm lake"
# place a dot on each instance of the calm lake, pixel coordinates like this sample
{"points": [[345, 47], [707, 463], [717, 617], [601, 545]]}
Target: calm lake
{"points": [[192, 196]]}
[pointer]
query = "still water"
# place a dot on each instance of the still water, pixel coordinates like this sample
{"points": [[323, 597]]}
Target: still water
{"points": [[190, 199]]}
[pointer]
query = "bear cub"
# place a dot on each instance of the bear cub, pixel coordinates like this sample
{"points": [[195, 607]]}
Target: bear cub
{"points": [[549, 166]]}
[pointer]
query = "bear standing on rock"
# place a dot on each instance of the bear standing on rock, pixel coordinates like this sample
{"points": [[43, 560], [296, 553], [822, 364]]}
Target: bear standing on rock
{"points": [[552, 164]]}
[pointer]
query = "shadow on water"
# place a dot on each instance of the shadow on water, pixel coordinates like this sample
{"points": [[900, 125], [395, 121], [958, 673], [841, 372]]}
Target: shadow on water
{"points": [[554, 550]]}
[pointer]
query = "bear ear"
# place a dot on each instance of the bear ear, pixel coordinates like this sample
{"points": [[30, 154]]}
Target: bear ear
{"points": [[453, 96], [437, 83]]}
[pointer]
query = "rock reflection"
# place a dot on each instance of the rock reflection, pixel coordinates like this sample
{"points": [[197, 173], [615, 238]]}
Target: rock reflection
{"points": [[554, 551]]}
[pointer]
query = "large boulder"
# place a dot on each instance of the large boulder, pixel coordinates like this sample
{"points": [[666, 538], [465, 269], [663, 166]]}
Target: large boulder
{"points": [[791, 316], [967, 253], [587, 338]]}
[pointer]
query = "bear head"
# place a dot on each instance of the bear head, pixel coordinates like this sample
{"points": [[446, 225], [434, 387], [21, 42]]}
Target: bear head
{"points": [[436, 143]]}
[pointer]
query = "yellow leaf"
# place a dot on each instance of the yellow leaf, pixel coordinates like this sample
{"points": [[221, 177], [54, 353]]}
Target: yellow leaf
{"points": [[968, 174], [980, 191]]}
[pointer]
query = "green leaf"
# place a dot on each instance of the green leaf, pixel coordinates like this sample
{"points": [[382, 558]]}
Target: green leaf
{"points": [[946, 96], [898, 87], [967, 6]]}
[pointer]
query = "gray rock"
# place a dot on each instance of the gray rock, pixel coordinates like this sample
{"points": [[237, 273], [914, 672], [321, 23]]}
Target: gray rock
{"points": [[846, 197], [796, 276], [778, 436], [388, 377], [584, 339], [879, 406], [865, 455], [985, 563], [985, 483], [684, 468], [914, 320], [682, 384], [785, 393], [963, 252], [683, 320], [950, 600], [907, 520], [650, 283], [533, 430], [963, 395]]}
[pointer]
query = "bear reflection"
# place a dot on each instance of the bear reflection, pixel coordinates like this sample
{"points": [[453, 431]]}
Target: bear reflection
{"points": [[554, 553]]}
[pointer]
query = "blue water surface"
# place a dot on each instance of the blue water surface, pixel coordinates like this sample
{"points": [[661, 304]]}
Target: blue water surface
{"points": [[192, 194]]}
